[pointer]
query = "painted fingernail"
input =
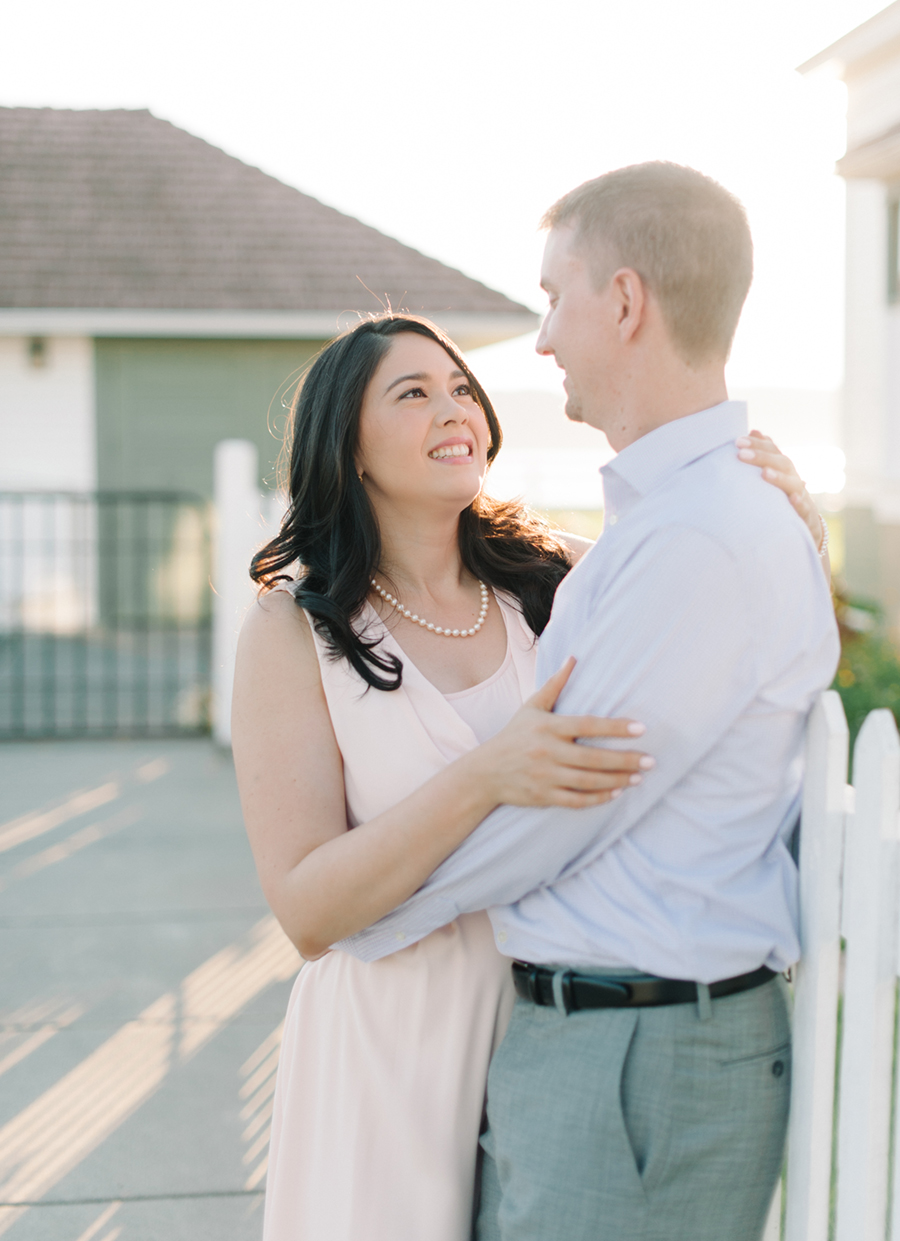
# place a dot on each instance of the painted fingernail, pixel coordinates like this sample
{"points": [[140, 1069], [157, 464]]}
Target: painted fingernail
{"points": [[746, 454], [647, 762], [637, 730], [616, 793], [769, 473], [743, 442], [635, 779]]}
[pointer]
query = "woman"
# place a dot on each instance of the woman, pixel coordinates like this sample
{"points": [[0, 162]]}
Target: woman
{"points": [[389, 701]]}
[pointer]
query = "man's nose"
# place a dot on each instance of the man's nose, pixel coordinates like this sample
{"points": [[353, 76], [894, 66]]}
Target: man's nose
{"points": [[542, 344]]}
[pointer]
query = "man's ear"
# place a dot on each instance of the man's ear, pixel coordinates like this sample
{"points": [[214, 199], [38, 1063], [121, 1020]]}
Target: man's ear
{"points": [[630, 301]]}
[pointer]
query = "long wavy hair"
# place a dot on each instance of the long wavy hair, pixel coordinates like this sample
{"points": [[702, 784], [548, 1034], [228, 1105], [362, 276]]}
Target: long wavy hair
{"points": [[330, 530]]}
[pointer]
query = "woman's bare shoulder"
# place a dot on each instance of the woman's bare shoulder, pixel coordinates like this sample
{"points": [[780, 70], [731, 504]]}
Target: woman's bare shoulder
{"points": [[576, 545], [276, 631], [275, 610]]}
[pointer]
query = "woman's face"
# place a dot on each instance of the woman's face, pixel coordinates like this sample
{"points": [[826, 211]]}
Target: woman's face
{"points": [[423, 438]]}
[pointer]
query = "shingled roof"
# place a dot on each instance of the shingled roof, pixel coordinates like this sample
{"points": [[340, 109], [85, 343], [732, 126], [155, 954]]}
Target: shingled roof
{"points": [[123, 211]]}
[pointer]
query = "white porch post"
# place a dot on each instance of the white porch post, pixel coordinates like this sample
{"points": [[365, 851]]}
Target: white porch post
{"points": [[239, 532]]}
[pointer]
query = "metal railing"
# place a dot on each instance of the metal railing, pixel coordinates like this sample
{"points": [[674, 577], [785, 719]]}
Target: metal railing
{"points": [[105, 614]]}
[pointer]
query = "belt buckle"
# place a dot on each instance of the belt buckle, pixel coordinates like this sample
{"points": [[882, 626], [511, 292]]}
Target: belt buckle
{"points": [[618, 990]]}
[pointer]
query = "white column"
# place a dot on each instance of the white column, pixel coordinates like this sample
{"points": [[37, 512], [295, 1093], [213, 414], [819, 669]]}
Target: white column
{"points": [[863, 430], [239, 533]]}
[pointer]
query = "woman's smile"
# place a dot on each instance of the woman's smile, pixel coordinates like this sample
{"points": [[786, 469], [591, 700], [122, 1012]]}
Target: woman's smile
{"points": [[453, 451]]}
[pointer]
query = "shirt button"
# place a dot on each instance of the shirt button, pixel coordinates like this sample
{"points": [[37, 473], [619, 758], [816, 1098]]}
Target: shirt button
{"points": [[501, 937], [613, 519], [400, 935]]}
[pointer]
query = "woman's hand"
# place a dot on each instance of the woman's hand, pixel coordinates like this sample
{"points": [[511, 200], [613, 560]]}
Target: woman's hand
{"points": [[779, 470], [536, 761]]}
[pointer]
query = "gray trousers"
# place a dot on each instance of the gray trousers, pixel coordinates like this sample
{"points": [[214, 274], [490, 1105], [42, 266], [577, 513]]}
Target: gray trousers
{"points": [[649, 1124]]}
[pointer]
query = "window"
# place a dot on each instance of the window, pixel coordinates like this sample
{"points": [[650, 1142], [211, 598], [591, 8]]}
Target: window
{"points": [[893, 282]]}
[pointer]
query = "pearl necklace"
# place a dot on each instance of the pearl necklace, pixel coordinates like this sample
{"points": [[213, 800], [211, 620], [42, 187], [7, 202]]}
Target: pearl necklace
{"points": [[420, 620]]}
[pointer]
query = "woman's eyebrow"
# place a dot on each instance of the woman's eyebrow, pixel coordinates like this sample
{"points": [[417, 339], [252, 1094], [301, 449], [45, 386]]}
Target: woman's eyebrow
{"points": [[420, 375], [404, 379]]}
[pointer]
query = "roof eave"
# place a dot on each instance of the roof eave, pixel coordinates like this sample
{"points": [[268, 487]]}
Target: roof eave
{"points": [[470, 329], [870, 39], [876, 160]]}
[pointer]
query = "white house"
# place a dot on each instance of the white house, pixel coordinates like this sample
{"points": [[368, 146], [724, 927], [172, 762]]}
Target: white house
{"points": [[868, 60]]}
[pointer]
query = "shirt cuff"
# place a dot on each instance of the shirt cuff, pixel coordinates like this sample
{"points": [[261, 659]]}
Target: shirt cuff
{"points": [[397, 931]]}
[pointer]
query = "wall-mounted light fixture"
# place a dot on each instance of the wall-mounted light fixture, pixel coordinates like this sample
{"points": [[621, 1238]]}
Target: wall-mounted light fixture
{"points": [[37, 351]]}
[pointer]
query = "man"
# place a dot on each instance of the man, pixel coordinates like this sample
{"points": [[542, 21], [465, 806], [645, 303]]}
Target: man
{"points": [[641, 1092]]}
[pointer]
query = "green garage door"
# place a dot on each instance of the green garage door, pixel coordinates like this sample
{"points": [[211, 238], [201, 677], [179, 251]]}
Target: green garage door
{"points": [[162, 405]]}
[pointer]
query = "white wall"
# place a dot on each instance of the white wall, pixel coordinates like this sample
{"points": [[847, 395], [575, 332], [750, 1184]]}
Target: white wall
{"points": [[871, 414], [865, 348], [47, 416], [889, 506], [873, 102]]}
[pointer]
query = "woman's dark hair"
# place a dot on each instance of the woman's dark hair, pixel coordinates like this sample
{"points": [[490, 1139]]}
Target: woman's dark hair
{"points": [[330, 529]]}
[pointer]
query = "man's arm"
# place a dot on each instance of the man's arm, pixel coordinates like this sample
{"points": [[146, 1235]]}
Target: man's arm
{"points": [[668, 644]]}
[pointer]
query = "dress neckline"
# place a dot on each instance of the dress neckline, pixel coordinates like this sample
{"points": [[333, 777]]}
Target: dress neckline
{"points": [[436, 719], [501, 672], [408, 662]]}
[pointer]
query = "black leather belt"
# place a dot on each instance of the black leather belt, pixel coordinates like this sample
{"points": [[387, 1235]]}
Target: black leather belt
{"points": [[580, 991]]}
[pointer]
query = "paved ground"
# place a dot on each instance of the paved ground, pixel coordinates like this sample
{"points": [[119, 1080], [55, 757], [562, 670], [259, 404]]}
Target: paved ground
{"points": [[142, 987]]}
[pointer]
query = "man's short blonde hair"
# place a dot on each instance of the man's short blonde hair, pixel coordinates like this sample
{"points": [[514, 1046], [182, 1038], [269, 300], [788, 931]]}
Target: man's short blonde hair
{"points": [[683, 233]]}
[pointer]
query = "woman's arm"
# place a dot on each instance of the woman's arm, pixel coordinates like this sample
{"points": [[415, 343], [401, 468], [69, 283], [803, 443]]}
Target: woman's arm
{"points": [[777, 469], [324, 882]]}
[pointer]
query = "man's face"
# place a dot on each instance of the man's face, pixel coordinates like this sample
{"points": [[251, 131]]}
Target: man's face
{"points": [[577, 329]]}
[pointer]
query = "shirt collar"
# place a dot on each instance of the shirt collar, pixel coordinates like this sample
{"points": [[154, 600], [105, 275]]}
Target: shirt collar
{"points": [[653, 458]]}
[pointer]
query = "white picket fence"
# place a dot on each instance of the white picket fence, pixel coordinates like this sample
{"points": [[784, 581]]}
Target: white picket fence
{"points": [[850, 887]]}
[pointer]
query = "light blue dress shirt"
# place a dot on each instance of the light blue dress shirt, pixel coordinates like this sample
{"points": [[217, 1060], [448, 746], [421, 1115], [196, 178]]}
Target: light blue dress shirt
{"points": [[702, 612]]}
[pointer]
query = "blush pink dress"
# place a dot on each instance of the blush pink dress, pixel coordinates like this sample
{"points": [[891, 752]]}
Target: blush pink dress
{"points": [[380, 1087]]}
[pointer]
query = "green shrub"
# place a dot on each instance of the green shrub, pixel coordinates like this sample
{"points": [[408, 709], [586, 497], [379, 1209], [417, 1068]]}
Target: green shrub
{"points": [[868, 674]]}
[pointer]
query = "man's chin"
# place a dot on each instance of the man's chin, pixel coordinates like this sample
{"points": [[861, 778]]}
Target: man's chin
{"points": [[573, 409]]}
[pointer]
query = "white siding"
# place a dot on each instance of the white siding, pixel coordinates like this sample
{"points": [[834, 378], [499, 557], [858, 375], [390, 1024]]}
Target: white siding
{"points": [[873, 103], [47, 416], [889, 510], [864, 431]]}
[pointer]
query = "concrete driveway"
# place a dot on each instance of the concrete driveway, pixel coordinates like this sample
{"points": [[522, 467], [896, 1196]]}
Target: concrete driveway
{"points": [[142, 988]]}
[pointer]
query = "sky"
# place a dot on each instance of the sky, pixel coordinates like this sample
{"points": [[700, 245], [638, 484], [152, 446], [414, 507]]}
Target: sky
{"points": [[453, 126]]}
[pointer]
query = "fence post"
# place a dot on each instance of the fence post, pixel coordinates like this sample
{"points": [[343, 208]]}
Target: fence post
{"points": [[773, 1222], [870, 927], [817, 974], [238, 534]]}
